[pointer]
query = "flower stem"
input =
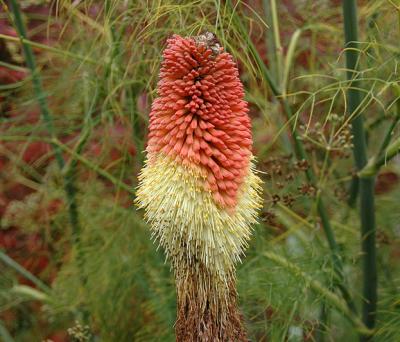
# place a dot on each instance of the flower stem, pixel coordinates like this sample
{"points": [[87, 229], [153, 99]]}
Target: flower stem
{"points": [[366, 184]]}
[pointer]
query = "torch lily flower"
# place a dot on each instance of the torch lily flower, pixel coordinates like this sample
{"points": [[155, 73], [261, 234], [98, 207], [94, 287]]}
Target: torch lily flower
{"points": [[199, 187]]}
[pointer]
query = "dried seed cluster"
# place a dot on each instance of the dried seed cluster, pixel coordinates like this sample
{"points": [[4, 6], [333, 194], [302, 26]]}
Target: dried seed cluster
{"points": [[335, 136], [79, 332]]}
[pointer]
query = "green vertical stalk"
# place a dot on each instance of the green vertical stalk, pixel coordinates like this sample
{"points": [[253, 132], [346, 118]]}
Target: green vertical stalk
{"points": [[4, 258], [4, 334], [322, 329], [366, 183], [48, 120], [273, 62], [270, 42], [277, 40], [389, 133]]}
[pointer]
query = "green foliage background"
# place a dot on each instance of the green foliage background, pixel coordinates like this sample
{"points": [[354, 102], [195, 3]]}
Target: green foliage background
{"points": [[101, 72]]}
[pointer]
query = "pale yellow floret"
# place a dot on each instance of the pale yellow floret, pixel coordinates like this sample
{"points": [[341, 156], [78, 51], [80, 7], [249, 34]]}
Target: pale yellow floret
{"points": [[187, 222]]}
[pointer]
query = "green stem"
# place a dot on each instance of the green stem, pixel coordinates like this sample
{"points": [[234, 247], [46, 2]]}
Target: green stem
{"points": [[4, 334], [302, 155], [77, 156], [383, 156], [389, 132], [375, 163], [321, 332], [270, 41], [48, 120], [353, 192], [277, 40], [368, 246], [392, 150], [47, 48], [366, 184], [24, 272]]}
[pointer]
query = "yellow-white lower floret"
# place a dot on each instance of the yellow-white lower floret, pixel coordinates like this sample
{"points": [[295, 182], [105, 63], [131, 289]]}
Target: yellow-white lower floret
{"points": [[187, 222]]}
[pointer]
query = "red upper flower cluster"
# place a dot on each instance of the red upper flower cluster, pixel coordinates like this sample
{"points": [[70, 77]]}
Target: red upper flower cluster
{"points": [[200, 116]]}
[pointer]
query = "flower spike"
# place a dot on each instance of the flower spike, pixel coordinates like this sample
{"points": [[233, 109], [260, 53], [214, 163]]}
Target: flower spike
{"points": [[199, 187]]}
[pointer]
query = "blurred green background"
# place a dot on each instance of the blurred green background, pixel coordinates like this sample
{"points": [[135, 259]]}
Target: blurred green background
{"points": [[100, 277]]}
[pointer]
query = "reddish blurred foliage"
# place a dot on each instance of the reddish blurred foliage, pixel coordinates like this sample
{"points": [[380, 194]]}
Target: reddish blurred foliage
{"points": [[3, 162], [17, 191], [8, 238], [29, 249], [143, 103], [59, 336], [28, 116], [8, 76], [386, 181], [34, 151], [6, 28], [54, 206], [295, 18], [119, 138], [3, 204]]}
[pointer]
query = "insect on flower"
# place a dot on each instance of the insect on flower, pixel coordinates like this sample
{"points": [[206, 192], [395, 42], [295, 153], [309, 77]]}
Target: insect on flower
{"points": [[199, 187]]}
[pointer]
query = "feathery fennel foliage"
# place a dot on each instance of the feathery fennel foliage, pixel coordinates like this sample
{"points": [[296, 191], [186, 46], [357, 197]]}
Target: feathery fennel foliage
{"points": [[99, 67]]}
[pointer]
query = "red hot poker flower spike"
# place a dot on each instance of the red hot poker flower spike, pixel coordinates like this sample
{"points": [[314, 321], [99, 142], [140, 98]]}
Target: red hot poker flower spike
{"points": [[200, 117], [198, 187]]}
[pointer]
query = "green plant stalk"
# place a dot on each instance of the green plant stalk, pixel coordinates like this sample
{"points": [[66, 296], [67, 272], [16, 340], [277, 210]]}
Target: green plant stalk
{"points": [[392, 150], [385, 153], [78, 157], [302, 155], [389, 132], [47, 118], [270, 41], [272, 61], [24, 272], [47, 48], [366, 184], [353, 192], [354, 186], [277, 40], [12, 66], [321, 331], [375, 163], [289, 59], [4, 334]]}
